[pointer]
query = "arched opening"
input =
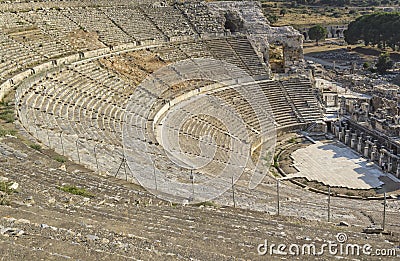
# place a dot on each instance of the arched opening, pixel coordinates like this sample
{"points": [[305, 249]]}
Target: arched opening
{"points": [[233, 22], [276, 57], [332, 33]]}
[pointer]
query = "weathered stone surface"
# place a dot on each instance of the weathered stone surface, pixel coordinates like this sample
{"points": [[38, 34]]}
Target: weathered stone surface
{"points": [[248, 19]]}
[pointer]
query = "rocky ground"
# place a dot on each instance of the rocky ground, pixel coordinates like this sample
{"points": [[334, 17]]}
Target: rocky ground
{"points": [[121, 221]]}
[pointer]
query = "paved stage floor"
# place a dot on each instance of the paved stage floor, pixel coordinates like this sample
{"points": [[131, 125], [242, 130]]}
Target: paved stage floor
{"points": [[336, 165]]}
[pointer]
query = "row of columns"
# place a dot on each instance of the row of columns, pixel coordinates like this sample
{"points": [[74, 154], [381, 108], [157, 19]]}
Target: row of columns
{"points": [[365, 145]]}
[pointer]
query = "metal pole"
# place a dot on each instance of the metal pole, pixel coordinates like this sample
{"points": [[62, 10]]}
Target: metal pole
{"points": [[77, 150], [277, 195], [126, 175], [384, 211], [35, 124], [192, 178], [154, 173], [48, 137], [95, 156], [119, 168], [62, 144], [233, 193], [329, 203]]}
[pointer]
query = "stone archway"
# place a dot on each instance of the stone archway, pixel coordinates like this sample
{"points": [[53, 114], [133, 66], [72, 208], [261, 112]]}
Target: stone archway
{"points": [[277, 57], [233, 22]]}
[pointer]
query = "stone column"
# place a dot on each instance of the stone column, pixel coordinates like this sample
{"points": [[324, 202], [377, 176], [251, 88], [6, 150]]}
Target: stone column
{"points": [[353, 140], [342, 110], [347, 137], [398, 169], [366, 150], [373, 153], [381, 158], [359, 145], [390, 164], [325, 127]]}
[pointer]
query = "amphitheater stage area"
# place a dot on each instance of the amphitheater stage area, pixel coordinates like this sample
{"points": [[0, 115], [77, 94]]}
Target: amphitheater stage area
{"points": [[334, 164]]}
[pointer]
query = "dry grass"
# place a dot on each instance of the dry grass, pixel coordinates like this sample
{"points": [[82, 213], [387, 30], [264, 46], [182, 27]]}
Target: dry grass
{"points": [[313, 48], [306, 16], [299, 19]]}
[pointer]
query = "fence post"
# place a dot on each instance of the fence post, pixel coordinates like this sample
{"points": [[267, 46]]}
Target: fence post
{"points": [[48, 136], [384, 211], [126, 175], [277, 196], [192, 179], [36, 132], [77, 150], [233, 193], [154, 173], [329, 203], [95, 156], [62, 144]]}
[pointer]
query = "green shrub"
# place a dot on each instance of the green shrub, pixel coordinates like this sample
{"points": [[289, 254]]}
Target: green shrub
{"points": [[36, 147], [206, 204], [5, 196], [7, 116], [4, 201], [276, 175], [4, 187], [4, 132], [60, 159], [76, 191]]}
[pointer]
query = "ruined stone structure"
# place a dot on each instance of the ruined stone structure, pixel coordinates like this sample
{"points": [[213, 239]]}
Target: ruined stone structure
{"points": [[333, 31], [246, 18], [370, 125], [378, 110], [375, 146], [72, 92], [87, 26], [74, 70]]}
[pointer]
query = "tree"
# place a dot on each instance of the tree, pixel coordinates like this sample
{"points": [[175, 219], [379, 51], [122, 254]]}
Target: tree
{"points": [[272, 18], [283, 12], [317, 33], [384, 63], [381, 29]]}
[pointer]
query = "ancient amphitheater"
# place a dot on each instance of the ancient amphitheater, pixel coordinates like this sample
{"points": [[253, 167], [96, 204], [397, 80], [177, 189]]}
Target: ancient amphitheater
{"points": [[142, 102]]}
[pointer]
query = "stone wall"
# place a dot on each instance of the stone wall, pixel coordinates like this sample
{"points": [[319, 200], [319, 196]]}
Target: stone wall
{"points": [[378, 148], [333, 31], [246, 17]]}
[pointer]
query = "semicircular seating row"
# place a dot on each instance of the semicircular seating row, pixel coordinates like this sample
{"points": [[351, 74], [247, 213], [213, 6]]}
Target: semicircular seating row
{"points": [[41, 33], [80, 109]]}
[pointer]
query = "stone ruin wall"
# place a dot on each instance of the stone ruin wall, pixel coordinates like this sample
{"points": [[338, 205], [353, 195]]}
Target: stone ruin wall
{"points": [[250, 20], [10, 6]]}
